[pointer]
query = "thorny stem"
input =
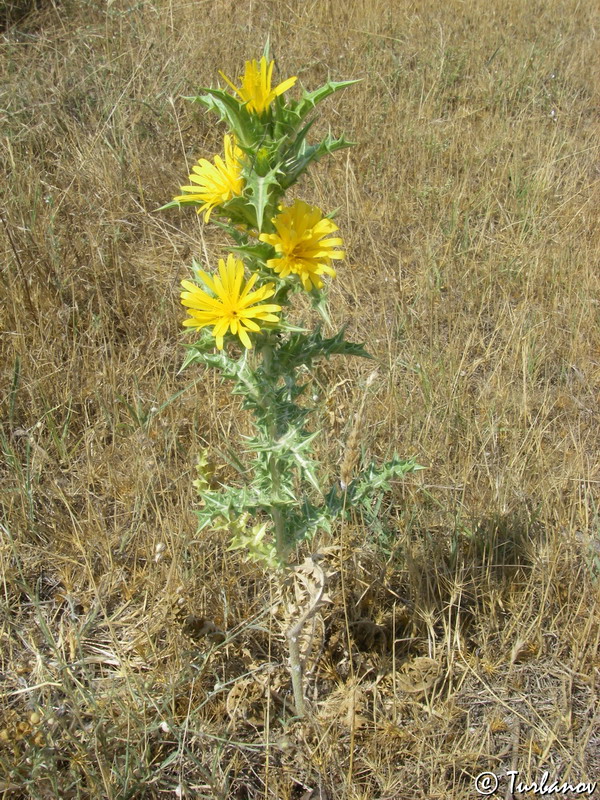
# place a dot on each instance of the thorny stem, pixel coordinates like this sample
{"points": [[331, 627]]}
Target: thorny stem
{"points": [[293, 636], [278, 520]]}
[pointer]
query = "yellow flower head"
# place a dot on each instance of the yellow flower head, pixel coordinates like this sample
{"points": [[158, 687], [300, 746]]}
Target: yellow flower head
{"points": [[215, 183], [300, 242], [256, 85], [232, 307]]}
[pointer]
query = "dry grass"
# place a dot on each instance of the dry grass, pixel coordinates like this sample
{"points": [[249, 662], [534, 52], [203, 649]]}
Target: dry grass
{"points": [[464, 631]]}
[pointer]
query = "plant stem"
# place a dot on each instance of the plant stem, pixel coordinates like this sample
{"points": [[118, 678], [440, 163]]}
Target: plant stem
{"points": [[278, 519], [296, 669], [293, 637], [294, 632]]}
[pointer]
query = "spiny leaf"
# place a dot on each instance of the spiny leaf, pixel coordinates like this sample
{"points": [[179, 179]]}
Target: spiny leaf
{"points": [[260, 188], [299, 157], [171, 204], [311, 99], [378, 478], [302, 349], [245, 126]]}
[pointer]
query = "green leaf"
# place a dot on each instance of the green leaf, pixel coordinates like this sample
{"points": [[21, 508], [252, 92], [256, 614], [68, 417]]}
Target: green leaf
{"points": [[299, 158], [246, 127], [368, 487], [267, 49], [197, 350], [311, 99], [236, 369], [257, 549], [378, 478], [227, 506], [305, 521], [171, 204], [260, 251], [301, 350], [240, 212], [260, 189], [288, 327], [319, 303]]}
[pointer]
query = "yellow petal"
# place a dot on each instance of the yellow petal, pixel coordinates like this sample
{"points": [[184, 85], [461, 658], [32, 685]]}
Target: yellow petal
{"points": [[285, 85], [245, 338]]}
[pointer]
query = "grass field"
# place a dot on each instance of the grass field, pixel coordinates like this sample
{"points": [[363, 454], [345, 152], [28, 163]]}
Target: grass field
{"points": [[463, 633]]}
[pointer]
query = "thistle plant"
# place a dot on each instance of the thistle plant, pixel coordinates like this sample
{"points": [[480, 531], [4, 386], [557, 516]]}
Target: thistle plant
{"points": [[244, 314]]}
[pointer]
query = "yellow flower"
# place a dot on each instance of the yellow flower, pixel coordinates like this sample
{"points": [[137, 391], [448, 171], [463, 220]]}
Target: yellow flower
{"points": [[256, 85], [216, 183], [301, 245], [232, 308]]}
